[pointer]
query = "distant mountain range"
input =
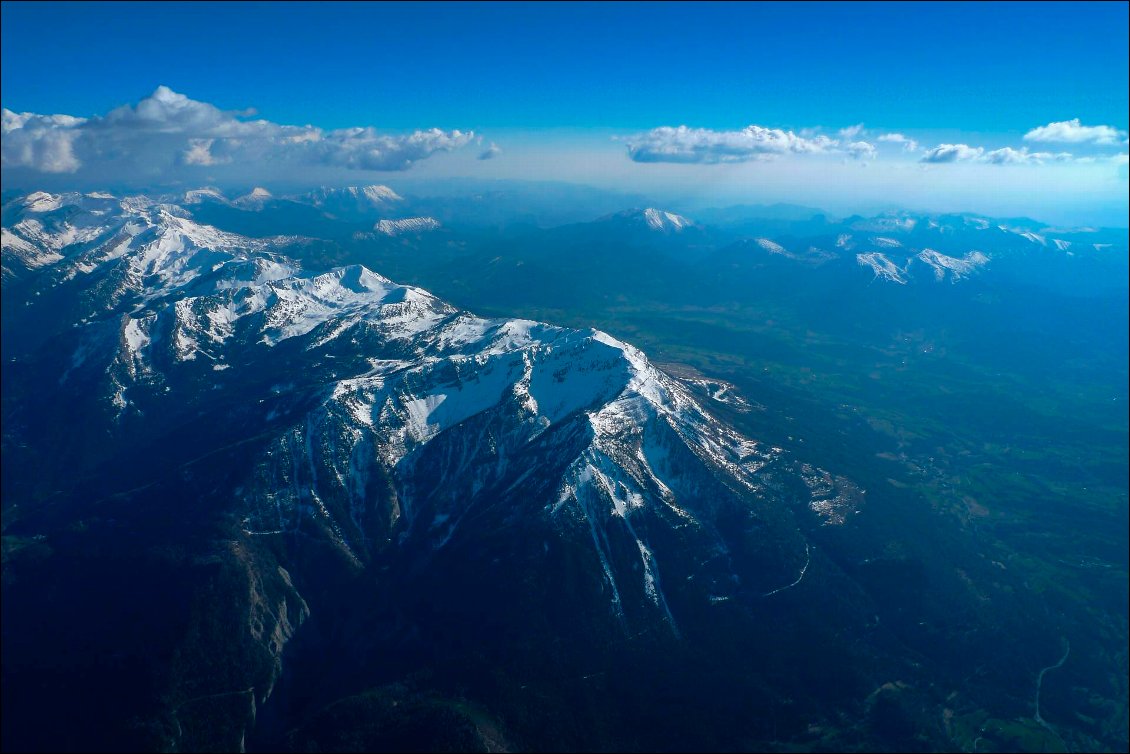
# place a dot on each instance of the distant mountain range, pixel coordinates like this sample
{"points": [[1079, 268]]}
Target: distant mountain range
{"points": [[895, 247]]}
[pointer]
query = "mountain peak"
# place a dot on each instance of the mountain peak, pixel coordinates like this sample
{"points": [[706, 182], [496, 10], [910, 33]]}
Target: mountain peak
{"points": [[378, 192], [204, 194], [658, 219], [256, 198], [652, 219], [41, 201]]}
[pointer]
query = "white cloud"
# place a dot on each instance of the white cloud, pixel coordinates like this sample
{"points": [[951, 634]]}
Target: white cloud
{"points": [[1002, 156], [1121, 159], [1074, 132], [1010, 156], [365, 149], [702, 145], [490, 152], [705, 146], [45, 142], [861, 150], [952, 153], [908, 144], [167, 131], [199, 152]]}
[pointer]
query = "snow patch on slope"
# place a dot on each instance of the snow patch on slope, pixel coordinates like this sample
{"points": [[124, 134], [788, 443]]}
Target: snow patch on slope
{"points": [[771, 246], [406, 225], [660, 220], [951, 267], [883, 268]]}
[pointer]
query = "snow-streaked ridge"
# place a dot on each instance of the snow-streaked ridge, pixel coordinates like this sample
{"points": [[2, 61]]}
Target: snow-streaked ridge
{"points": [[395, 384], [406, 225], [951, 267], [375, 196], [658, 219], [883, 267]]}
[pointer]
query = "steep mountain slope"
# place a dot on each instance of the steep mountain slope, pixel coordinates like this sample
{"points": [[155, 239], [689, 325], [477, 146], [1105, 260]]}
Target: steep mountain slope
{"points": [[392, 370], [373, 417]]}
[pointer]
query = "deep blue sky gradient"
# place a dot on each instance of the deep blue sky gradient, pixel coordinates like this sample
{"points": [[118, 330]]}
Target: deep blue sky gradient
{"points": [[557, 86], [977, 67]]}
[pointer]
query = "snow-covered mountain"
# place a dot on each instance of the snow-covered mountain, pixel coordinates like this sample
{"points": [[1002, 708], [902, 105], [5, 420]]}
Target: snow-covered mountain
{"points": [[351, 199], [204, 194], [255, 199], [650, 218], [667, 221], [942, 267], [406, 225], [883, 267], [959, 235], [501, 504], [349, 204], [951, 268], [92, 253], [390, 426], [397, 373]]}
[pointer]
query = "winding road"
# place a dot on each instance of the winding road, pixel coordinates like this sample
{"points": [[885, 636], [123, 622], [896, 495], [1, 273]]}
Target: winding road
{"points": [[1040, 683], [807, 560]]}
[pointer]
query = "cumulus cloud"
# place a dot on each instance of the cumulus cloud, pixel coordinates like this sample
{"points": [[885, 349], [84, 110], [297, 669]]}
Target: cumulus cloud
{"points": [[45, 142], [365, 149], [1010, 156], [490, 152], [702, 145], [861, 150], [706, 146], [908, 144], [167, 130], [1002, 156], [952, 153], [199, 152], [1074, 132]]}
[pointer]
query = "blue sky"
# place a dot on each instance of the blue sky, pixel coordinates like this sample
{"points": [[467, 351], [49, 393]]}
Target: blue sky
{"points": [[563, 89]]}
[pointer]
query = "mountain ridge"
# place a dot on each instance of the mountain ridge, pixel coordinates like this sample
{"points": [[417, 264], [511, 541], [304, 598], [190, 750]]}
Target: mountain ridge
{"points": [[323, 458], [411, 422]]}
